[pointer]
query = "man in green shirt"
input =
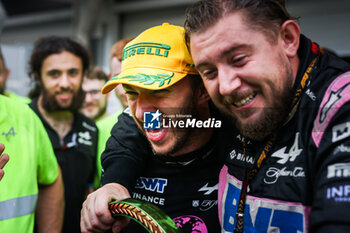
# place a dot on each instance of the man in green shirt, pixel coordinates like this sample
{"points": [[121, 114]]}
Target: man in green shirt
{"points": [[32, 188]]}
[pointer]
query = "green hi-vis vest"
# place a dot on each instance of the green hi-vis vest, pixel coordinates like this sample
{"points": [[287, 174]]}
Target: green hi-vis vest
{"points": [[14, 96], [32, 162]]}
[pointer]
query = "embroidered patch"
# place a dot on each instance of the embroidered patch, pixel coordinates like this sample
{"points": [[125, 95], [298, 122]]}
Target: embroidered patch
{"points": [[337, 94]]}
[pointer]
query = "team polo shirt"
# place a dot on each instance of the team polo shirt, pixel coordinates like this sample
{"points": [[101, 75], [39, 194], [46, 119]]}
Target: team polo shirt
{"points": [[76, 155], [32, 162]]}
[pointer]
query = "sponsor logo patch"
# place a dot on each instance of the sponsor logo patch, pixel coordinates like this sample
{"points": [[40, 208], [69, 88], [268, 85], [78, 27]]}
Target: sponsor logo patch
{"points": [[337, 94], [291, 155], [273, 174], [261, 214], [208, 190], [339, 193], [151, 184], [339, 170], [341, 131], [11, 131], [240, 156], [341, 149], [85, 138]]}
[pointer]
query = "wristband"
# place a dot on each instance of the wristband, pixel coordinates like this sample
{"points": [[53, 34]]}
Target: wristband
{"points": [[153, 219]]}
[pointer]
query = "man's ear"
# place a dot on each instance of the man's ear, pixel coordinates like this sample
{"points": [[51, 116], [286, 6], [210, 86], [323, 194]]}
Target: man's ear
{"points": [[290, 33], [202, 94]]}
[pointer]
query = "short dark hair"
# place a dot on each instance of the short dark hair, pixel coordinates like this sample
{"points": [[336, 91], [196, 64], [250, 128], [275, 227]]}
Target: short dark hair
{"points": [[96, 73], [263, 15], [47, 46]]}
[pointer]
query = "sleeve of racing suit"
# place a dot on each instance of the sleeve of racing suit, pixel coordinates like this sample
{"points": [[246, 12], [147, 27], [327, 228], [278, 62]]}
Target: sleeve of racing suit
{"points": [[125, 154], [330, 167]]}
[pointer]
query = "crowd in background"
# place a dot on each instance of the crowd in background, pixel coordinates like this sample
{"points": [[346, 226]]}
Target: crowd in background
{"points": [[67, 101], [259, 76]]}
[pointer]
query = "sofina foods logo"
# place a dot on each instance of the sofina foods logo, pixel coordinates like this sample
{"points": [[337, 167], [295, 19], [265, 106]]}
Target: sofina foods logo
{"points": [[156, 120]]}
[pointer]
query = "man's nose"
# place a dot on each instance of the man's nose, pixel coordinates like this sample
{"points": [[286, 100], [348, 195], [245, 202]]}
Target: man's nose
{"points": [[143, 104], [64, 80], [229, 80], [89, 96]]}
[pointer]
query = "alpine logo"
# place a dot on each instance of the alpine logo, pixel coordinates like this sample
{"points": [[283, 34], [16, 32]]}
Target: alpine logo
{"points": [[10, 132], [291, 155], [208, 190]]}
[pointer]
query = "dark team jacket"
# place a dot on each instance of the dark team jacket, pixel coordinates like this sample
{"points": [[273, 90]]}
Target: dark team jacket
{"points": [[304, 183], [76, 155], [185, 187]]}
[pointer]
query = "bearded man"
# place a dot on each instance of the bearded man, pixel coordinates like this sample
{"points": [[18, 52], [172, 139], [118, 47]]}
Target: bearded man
{"points": [[57, 65]]}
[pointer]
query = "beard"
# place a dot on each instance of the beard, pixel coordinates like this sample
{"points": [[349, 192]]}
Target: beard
{"points": [[272, 118], [183, 136], [50, 104], [101, 111]]}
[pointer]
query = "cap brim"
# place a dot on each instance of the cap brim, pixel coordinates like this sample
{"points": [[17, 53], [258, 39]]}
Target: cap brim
{"points": [[152, 79]]}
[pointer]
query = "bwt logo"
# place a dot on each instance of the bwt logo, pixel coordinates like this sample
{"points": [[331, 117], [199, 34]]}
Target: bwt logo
{"points": [[152, 184], [151, 120]]}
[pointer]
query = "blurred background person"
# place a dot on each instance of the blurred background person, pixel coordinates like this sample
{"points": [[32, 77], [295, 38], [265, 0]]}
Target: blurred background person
{"points": [[95, 104], [57, 65], [115, 63], [32, 189], [105, 125], [102, 23], [4, 75]]}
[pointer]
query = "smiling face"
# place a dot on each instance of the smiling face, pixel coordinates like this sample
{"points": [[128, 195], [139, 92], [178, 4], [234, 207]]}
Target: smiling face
{"points": [[61, 76], [95, 104], [176, 99], [248, 77]]}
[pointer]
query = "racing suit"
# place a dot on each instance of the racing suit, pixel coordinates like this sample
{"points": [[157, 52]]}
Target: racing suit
{"points": [[304, 183]]}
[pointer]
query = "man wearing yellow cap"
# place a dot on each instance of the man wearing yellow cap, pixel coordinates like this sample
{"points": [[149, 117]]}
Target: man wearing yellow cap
{"points": [[169, 104]]}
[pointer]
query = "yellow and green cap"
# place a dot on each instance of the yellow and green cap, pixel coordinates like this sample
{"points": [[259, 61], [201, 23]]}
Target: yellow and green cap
{"points": [[156, 59]]}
